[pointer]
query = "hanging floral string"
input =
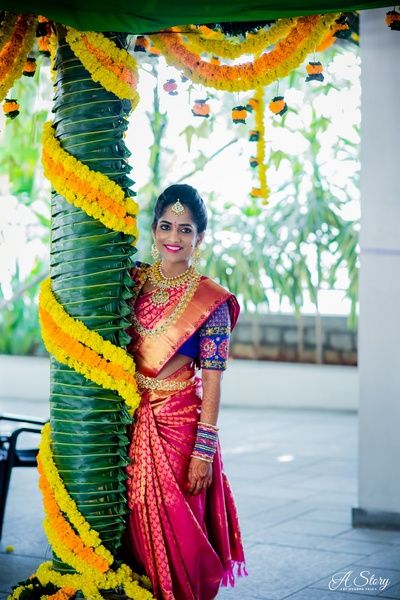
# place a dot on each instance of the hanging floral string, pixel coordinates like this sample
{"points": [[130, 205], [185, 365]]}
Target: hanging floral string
{"points": [[288, 54], [262, 191]]}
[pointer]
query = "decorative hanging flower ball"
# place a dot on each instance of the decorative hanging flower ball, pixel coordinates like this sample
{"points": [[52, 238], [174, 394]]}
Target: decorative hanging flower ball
{"points": [[252, 104], [43, 33], [201, 108], [254, 135], [393, 20], [256, 192], [314, 70], [142, 43], [170, 87], [30, 67], [278, 105], [154, 52], [253, 161], [11, 108], [239, 114], [44, 45], [43, 27]]}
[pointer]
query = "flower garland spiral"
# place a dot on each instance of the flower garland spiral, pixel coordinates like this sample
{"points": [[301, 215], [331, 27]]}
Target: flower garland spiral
{"points": [[287, 55], [85, 351], [114, 68], [17, 38], [93, 192], [254, 43]]}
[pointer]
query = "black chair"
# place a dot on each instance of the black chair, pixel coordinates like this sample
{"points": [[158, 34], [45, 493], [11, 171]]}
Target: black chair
{"points": [[11, 456]]}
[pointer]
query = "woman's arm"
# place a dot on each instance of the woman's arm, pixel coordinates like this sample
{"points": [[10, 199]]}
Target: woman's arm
{"points": [[200, 471], [211, 379], [214, 344]]}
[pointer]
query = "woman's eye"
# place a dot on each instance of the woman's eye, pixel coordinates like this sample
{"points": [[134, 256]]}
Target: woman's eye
{"points": [[164, 226], [186, 230]]}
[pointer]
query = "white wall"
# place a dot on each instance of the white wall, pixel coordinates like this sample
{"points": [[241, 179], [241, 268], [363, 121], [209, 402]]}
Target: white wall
{"points": [[245, 383], [24, 378], [379, 326]]}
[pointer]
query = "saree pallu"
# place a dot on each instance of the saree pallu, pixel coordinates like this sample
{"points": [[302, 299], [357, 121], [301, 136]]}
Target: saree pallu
{"points": [[187, 544]]}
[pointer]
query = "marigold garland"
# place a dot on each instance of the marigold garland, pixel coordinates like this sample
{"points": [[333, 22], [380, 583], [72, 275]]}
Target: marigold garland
{"points": [[64, 593], [254, 43], [114, 68], [287, 55], [82, 333], [7, 27], [123, 577], [331, 38], [48, 468], [93, 192], [87, 362], [93, 562], [13, 54]]}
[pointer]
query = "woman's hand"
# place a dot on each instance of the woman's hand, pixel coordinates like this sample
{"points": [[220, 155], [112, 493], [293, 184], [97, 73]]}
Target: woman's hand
{"points": [[199, 475]]}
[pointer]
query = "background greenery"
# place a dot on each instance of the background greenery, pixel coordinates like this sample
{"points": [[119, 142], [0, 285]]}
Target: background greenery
{"points": [[295, 247]]}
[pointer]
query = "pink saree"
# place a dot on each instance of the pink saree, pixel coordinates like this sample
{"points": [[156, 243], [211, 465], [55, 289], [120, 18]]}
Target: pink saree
{"points": [[188, 545]]}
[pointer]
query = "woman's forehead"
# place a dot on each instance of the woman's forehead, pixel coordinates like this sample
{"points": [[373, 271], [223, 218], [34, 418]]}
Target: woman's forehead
{"points": [[185, 218]]}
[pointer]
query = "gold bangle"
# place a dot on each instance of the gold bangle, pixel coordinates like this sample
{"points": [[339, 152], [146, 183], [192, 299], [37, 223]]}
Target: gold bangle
{"points": [[200, 458], [208, 425]]}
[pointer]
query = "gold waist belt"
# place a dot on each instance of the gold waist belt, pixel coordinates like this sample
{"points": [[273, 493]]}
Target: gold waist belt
{"points": [[152, 383]]}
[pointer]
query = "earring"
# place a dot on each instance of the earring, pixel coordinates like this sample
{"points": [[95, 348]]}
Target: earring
{"points": [[196, 258], [155, 252]]}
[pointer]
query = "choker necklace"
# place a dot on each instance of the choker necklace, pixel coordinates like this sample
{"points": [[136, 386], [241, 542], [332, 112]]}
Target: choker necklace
{"points": [[161, 295]]}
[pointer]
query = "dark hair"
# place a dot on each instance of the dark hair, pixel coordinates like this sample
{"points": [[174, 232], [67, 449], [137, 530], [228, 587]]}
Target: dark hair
{"points": [[189, 197]]}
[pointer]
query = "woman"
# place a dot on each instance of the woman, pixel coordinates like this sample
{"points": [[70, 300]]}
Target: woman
{"points": [[183, 525]]}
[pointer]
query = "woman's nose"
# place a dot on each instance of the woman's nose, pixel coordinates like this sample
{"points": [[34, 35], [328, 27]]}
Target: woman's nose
{"points": [[174, 234]]}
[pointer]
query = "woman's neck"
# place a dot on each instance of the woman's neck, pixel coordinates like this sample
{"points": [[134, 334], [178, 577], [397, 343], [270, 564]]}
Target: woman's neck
{"points": [[174, 269]]}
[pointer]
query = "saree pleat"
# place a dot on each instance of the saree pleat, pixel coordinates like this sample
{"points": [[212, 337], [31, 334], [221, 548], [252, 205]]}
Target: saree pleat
{"points": [[187, 544]]}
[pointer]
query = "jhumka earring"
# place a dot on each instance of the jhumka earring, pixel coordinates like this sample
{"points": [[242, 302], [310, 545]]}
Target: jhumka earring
{"points": [[196, 258], [155, 252]]}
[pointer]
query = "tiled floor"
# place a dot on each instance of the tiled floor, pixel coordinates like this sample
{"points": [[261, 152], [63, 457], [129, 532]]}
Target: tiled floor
{"points": [[294, 477]]}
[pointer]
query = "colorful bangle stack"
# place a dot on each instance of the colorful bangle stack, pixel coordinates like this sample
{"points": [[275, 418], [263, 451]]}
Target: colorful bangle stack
{"points": [[206, 442]]}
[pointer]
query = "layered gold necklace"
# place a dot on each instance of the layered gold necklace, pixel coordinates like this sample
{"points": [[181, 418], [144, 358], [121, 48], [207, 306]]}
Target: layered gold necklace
{"points": [[164, 285], [189, 278]]}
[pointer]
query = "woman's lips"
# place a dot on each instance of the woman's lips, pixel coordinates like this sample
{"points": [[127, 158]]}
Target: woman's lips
{"points": [[172, 248]]}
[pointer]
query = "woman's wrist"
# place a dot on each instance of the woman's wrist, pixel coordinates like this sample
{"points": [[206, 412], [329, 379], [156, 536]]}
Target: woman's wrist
{"points": [[206, 442]]}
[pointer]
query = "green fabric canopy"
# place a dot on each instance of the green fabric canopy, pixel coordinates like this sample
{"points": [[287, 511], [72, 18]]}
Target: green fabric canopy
{"points": [[149, 16]]}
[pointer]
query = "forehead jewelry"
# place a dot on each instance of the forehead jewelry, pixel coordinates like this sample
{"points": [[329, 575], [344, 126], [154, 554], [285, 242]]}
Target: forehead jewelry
{"points": [[178, 207]]}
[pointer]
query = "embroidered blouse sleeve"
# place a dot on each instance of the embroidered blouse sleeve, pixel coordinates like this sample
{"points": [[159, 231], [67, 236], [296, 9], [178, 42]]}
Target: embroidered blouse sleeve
{"points": [[214, 339]]}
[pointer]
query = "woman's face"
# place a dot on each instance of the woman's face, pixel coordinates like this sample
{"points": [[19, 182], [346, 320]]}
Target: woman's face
{"points": [[176, 236]]}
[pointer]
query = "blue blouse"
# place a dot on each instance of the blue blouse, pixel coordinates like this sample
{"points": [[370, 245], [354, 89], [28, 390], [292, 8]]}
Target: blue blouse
{"points": [[210, 343]]}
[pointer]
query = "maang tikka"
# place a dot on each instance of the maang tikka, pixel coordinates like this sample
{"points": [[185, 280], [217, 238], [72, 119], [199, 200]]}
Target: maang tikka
{"points": [[178, 207]]}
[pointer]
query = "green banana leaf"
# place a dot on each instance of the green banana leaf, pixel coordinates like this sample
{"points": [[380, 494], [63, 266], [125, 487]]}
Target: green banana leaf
{"points": [[89, 268]]}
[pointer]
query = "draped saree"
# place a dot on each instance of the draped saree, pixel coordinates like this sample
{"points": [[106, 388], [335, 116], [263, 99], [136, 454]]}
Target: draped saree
{"points": [[188, 545]]}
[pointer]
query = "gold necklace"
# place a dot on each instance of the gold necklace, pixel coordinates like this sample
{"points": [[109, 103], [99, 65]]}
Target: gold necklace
{"points": [[161, 295], [158, 278], [176, 313]]}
